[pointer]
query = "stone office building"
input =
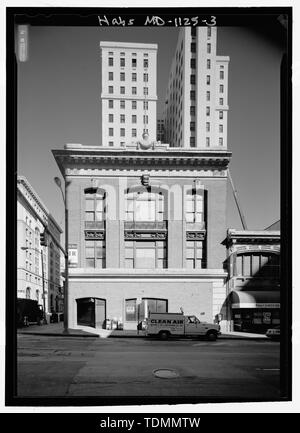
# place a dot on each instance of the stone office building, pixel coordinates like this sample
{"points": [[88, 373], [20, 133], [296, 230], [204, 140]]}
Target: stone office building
{"points": [[147, 224]]}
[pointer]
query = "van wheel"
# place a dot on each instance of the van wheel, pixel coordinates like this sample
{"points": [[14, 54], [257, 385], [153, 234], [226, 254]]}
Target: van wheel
{"points": [[164, 335], [211, 336]]}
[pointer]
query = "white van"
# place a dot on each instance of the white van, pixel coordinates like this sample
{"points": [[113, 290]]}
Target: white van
{"points": [[165, 325]]}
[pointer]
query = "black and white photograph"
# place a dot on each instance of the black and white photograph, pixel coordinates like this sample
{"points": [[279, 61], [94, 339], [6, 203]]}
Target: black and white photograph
{"points": [[149, 151]]}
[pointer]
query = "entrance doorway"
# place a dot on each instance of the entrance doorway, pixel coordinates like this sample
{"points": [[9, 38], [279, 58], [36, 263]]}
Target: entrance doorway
{"points": [[91, 312]]}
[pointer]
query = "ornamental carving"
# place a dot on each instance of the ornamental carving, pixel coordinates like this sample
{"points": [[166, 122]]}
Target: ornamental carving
{"points": [[92, 234], [145, 236], [199, 236]]}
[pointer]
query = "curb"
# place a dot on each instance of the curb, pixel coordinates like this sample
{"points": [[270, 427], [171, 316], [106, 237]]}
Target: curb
{"points": [[49, 334]]}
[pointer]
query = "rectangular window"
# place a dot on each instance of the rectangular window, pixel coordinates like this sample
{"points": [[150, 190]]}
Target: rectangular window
{"points": [[207, 126], [145, 78], [122, 104], [122, 132], [111, 103], [133, 132], [145, 105], [192, 95], [207, 142], [207, 79], [146, 63], [122, 90], [193, 31], [220, 141], [133, 118], [133, 63], [193, 63], [208, 48], [193, 47], [221, 88], [110, 89], [208, 96], [145, 119], [94, 254], [130, 307], [110, 117], [194, 209], [110, 76], [192, 110], [222, 75], [208, 63], [122, 76], [110, 61], [207, 111], [133, 105], [145, 90], [94, 207], [122, 118], [194, 255], [192, 142], [133, 76], [111, 132], [220, 128], [122, 62], [221, 114], [193, 79], [133, 90], [192, 126], [145, 254], [221, 101], [209, 32], [111, 143]]}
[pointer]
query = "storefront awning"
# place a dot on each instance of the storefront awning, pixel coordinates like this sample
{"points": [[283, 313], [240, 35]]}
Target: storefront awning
{"points": [[257, 299]]}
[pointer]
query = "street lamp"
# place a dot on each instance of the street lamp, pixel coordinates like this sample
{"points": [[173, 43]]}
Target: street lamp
{"points": [[66, 288], [43, 280]]}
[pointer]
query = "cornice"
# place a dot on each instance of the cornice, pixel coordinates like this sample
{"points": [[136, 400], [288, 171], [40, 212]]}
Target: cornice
{"points": [[168, 159]]}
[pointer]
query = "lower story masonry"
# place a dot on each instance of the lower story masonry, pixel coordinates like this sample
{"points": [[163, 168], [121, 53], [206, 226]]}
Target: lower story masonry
{"points": [[124, 300]]}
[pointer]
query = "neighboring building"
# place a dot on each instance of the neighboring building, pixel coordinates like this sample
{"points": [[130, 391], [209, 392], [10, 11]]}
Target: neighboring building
{"points": [[33, 218], [196, 104], [253, 302], [128, 98], [160, 131], [146, 231]]}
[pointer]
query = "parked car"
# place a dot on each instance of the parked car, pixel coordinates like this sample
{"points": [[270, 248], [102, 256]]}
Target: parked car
{"points": [[29, 312], [273, 333]]}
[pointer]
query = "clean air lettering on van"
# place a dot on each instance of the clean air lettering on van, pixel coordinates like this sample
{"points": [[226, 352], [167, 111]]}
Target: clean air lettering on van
{"points": [[167, 322]]}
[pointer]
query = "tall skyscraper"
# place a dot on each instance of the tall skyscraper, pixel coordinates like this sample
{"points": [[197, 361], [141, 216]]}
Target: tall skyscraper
{"points": [[128, 92], [196, 104]]}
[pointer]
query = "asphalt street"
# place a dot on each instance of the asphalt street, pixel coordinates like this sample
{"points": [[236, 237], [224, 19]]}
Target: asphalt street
{"points": [[121, 367]]}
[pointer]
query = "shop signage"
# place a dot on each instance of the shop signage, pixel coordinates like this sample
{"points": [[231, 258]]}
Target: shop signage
{"points": [[73, 256], [257, 305]]}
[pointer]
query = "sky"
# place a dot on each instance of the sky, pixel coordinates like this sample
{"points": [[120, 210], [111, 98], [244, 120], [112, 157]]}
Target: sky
{"points": [[59, 102]]}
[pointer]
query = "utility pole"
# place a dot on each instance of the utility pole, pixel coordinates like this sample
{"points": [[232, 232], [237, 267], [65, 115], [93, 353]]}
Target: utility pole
{"points": [[236, 198]]}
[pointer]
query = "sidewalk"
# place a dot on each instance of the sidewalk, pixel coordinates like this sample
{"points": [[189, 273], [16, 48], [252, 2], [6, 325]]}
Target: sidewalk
{"points": [[57, 330]]}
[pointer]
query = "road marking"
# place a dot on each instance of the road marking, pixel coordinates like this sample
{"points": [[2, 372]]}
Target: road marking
{"points": [[268, 369]]}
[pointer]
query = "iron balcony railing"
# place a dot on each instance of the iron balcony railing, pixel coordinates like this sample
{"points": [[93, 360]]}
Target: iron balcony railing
{"points": [[145, 225], [94, 225]]}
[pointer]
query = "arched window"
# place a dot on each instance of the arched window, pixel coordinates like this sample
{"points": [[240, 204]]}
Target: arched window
{"points": [[145, 205], [262, 264], [28, 293]]}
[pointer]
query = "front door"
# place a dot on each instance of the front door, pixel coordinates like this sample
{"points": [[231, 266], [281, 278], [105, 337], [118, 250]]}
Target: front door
{"points": [[100, 313]]}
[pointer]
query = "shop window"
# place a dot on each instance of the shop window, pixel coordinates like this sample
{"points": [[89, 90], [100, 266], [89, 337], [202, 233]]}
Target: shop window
{"points": [[130, 310]]}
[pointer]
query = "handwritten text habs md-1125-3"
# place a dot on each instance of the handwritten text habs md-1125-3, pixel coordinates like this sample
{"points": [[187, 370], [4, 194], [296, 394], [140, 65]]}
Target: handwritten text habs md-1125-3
{"points": [[155, 20]]}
